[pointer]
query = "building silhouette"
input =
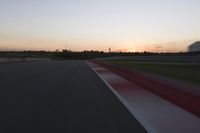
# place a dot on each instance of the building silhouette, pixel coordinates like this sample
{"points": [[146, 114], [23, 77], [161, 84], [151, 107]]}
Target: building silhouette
{"points": [[194, 47]]}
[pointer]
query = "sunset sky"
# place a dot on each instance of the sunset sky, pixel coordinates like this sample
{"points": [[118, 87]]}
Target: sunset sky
{"points": [[126, 25]]}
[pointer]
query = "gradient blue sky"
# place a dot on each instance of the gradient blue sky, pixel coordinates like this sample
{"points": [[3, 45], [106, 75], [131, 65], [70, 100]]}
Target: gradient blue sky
{"points": [[128, 25]]}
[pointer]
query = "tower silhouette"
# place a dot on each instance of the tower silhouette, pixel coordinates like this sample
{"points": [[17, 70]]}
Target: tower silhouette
{"points": [[109, 49]]}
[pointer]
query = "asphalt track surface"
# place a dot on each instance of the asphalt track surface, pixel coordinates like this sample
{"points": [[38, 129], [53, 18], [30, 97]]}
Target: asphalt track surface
{"points": [[59, 97]]}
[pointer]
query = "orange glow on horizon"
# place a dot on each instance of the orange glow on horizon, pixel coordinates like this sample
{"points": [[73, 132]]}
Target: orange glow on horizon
{"points": [[94, 45]]}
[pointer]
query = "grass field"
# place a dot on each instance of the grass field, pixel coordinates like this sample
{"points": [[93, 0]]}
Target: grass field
{"points": [[182, 71]]}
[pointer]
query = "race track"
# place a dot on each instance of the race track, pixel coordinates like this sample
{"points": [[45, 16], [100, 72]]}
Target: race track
{"points": [[59, 97]]}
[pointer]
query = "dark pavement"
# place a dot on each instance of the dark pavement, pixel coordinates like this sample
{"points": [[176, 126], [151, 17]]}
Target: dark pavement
{"points": [[59, 97]]}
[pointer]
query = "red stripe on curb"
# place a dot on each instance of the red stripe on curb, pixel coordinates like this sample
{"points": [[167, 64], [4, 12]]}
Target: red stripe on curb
{"points": [[187, 101]]}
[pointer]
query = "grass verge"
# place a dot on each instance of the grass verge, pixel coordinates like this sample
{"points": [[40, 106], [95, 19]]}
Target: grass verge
{"points": [[185, 72]]}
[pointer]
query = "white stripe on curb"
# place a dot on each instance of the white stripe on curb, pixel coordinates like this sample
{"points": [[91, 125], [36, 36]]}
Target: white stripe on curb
{"points": [[156, 114]]}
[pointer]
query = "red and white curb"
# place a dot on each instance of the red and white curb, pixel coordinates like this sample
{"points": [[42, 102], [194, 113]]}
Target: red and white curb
{"points": [[156, 114]]}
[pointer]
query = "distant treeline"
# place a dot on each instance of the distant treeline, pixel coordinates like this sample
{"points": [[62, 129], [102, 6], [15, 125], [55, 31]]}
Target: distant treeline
{"points": [[67, 54]]}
